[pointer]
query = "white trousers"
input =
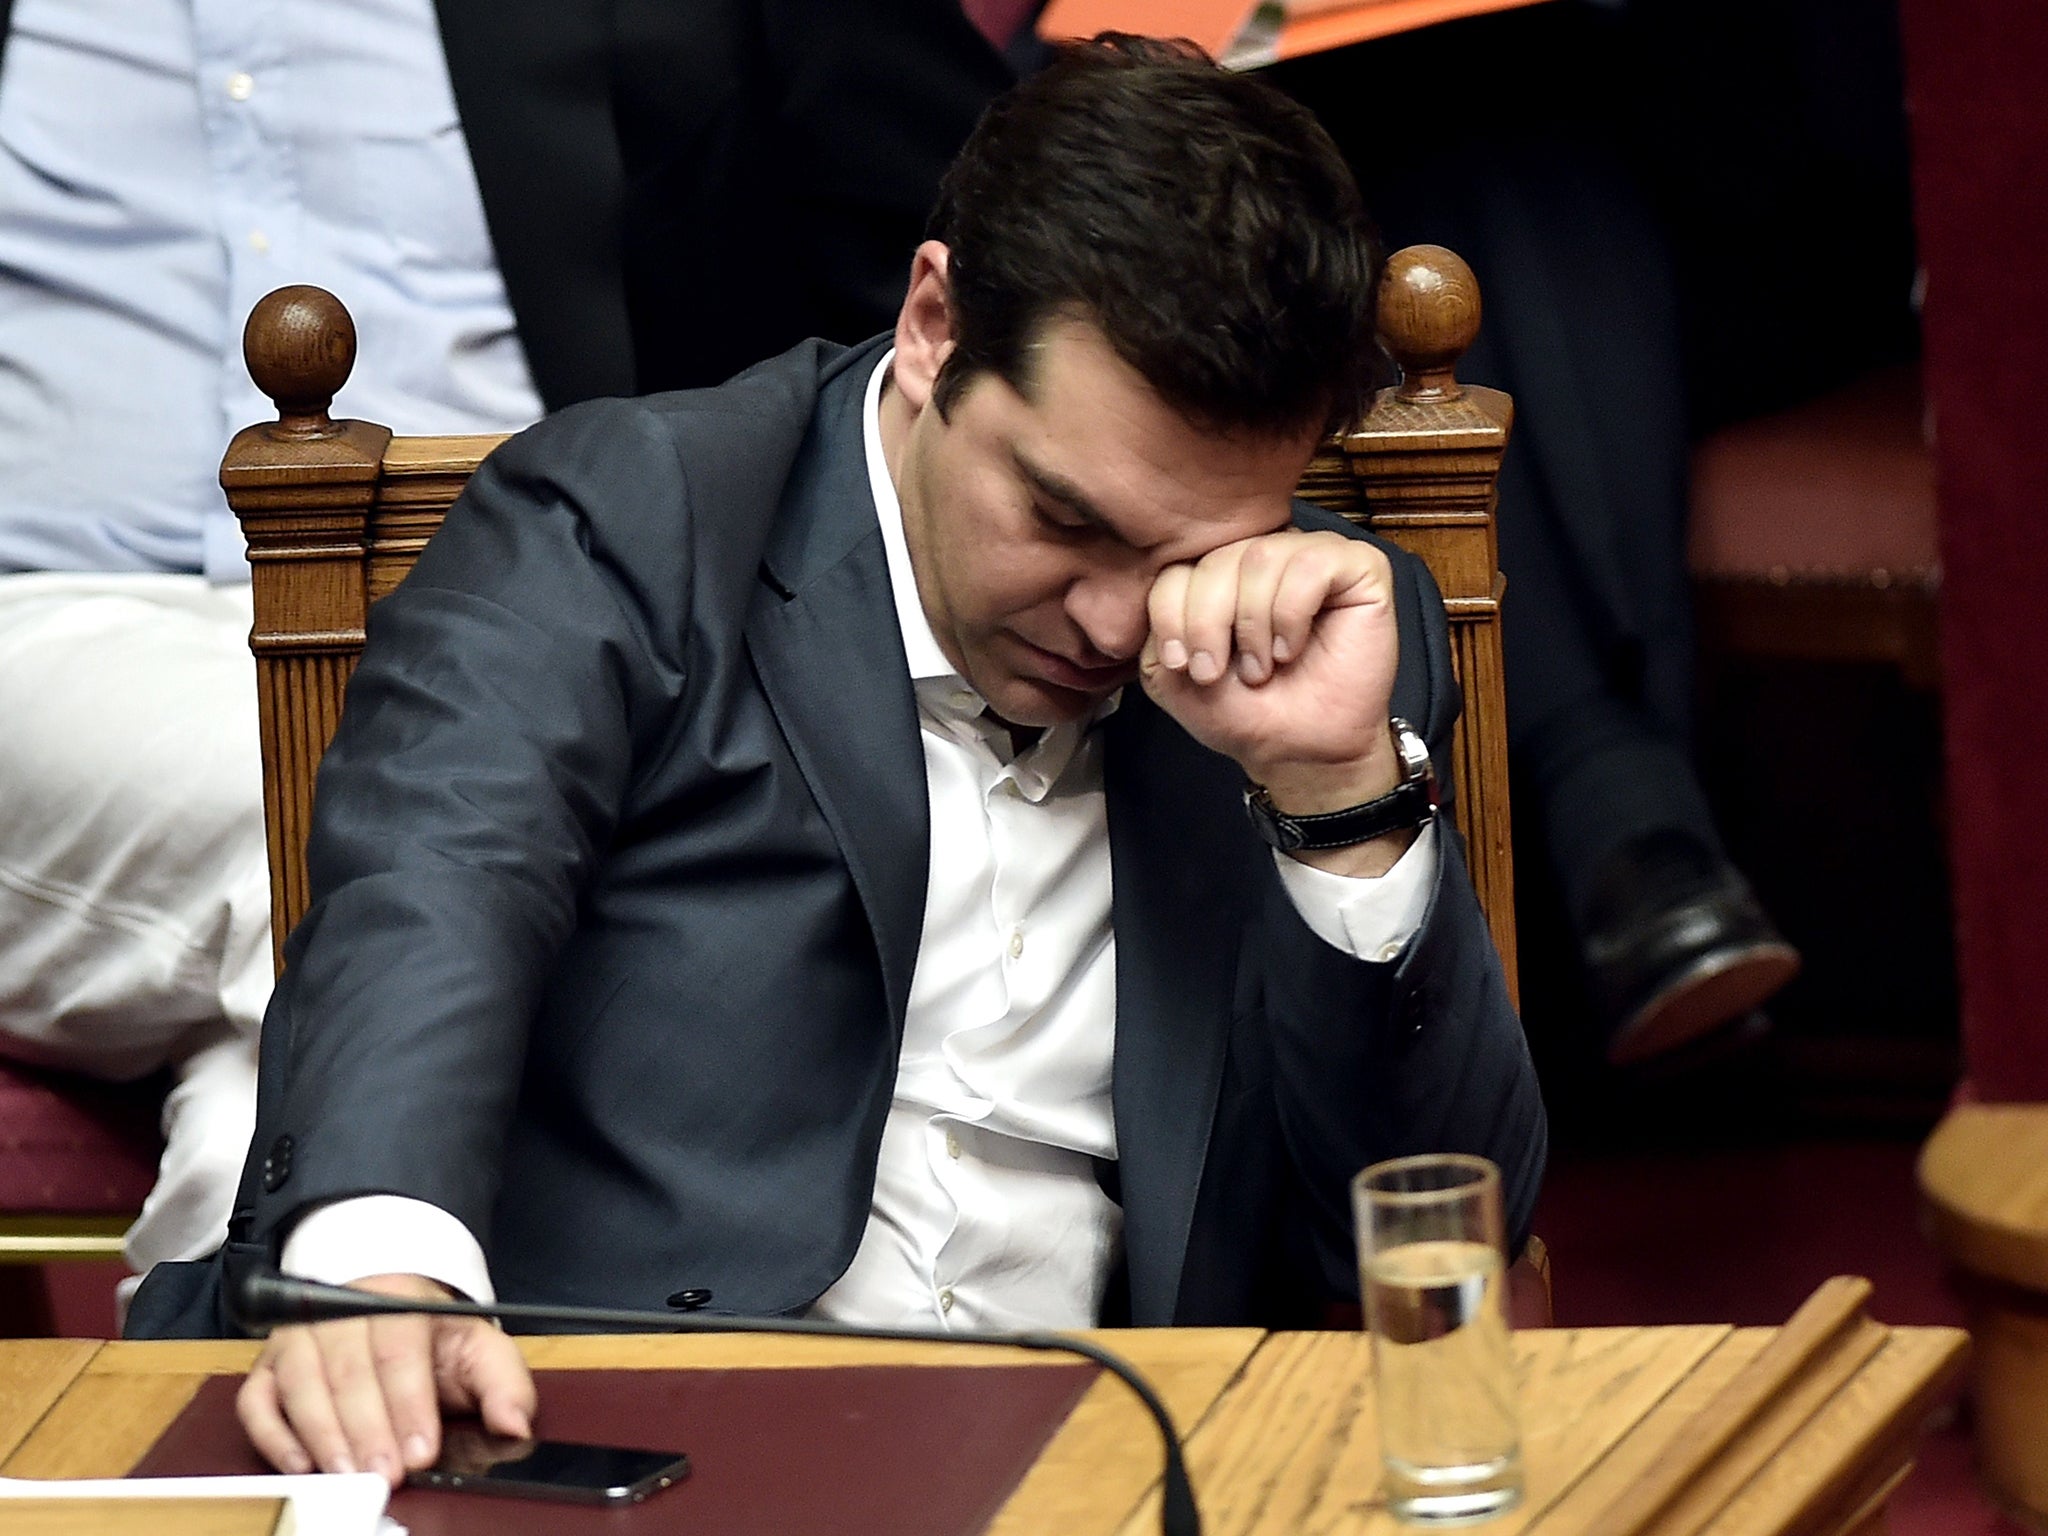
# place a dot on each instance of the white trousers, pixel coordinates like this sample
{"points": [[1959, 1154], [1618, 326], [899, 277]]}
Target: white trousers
{"points": [[134, 892]]}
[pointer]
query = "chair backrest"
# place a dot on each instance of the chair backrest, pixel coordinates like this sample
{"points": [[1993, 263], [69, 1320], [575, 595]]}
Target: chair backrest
{"points": [[335, 512]]}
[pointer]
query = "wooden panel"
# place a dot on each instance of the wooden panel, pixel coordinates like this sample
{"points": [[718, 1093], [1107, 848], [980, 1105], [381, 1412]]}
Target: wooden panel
{"points": [[1821, 1479], [1293, 1447], [1480, 753], [1294, 1444], [1827, 1339], [147, 1517], [33, 1375], [1107, 1456], [1651, 1438], [1799, 1431], [420, 480], [174, 1357], [101, 1427], [1784, 1414], [1616, 1380], [1423, 474], [425, 470], [299, 697], [1984, 1177], [303, 498]]}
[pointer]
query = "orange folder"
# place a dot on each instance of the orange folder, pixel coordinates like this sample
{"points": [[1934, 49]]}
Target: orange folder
{"points": [[1247, 33]]}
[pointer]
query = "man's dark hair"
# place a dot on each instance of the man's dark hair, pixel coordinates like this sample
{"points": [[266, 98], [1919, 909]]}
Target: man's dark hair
{"points": [[1201, 219]]}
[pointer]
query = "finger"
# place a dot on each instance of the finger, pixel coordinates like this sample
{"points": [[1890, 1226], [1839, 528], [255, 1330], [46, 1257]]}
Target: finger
{"points": [[1301, 592], [256, 1405], [403, 1360], [350, 1357], [1261, 570], [305, 1398], [1165, 611], [480, 1368], [1209, 613]]}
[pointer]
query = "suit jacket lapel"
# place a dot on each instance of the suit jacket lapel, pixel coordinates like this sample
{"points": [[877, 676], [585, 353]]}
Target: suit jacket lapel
{"points": [[829, 654], [532, 81], [1180, 890]]}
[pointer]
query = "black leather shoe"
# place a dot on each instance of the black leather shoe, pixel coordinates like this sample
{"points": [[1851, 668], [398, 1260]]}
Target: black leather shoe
{"points": [[1676, 946]]}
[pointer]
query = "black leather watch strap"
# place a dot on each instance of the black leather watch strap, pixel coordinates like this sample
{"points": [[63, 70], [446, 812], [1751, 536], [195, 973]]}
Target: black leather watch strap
{"points": [[1409, 804]]}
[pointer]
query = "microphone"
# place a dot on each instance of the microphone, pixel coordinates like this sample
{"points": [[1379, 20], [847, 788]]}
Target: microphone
{"points": [[260, 1298]]}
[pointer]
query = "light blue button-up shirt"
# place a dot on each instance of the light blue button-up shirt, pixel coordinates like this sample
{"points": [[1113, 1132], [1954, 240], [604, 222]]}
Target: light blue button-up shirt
{"points": [[163, 165]]}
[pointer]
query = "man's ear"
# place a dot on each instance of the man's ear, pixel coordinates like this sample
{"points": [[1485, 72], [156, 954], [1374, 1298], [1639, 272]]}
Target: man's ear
{"points": [[924, 326]]}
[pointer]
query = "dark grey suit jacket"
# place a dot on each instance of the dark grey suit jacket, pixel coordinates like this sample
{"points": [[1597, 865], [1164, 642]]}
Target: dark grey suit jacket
{"points": [[619, 863]]}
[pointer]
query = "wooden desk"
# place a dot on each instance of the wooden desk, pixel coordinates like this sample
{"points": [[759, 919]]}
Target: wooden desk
{"points": [[1281, 1428]]}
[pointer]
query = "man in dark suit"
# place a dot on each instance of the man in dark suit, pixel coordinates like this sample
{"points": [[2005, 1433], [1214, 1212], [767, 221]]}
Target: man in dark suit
{"points": [[525, 205], [746, 877]]}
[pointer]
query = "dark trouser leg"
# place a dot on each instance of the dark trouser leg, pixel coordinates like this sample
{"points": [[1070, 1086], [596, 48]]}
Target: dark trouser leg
{"points": [[1581, 327]]}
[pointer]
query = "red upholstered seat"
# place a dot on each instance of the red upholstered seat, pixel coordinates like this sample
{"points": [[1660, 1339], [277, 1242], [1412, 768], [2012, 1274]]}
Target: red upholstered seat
{"points": [[1813, 532], [1842, 486], [72, 1146]]}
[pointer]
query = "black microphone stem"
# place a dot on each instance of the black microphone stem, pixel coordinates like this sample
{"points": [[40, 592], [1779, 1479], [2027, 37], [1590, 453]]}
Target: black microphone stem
{"points": [[265, 1300]]}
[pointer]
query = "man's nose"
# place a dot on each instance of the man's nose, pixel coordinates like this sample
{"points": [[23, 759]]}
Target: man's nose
{"points": [[1110, 609]]}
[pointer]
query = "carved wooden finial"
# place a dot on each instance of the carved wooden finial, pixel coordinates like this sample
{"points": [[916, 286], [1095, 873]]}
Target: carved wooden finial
{"points": [[1428, 316], [300, 345]]}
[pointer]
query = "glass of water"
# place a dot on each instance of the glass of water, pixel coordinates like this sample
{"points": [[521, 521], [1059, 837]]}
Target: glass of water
{"points": [[1432, 1269]]}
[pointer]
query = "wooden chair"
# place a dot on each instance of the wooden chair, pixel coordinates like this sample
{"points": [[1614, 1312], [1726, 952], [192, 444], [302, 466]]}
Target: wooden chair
{"points": [[335, 513]]}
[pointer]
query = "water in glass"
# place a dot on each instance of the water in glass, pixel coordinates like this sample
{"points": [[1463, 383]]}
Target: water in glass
{"points": [[1446, 1378]]}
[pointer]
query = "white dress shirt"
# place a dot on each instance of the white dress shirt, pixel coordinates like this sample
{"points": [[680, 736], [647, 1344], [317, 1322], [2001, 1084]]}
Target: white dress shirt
{"points": [[986, 1213]]}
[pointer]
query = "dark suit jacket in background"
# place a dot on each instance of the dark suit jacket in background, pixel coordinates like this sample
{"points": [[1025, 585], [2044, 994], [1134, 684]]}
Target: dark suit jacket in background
{"points": [[677, 190], [618, 868]]}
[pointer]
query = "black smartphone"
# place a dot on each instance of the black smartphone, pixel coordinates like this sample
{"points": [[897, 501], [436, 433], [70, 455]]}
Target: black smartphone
{"points": [[473, 1460]]}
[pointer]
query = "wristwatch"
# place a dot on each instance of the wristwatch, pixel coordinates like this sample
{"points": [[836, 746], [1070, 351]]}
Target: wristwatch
{"points": [[1411, 803]]}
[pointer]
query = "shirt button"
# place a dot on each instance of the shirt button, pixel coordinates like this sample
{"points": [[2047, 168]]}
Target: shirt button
{"points": [[1388, 952], [241, 85], [952, 1146], [259, 242], [1016, 943], [946, 1299]]}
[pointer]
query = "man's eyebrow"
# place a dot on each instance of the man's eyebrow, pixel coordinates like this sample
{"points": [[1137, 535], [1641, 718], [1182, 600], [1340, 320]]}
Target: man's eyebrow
{"points": [[1056, 487]]}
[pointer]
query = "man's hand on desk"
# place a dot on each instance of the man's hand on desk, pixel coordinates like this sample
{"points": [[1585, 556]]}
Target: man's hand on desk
{"points": [[1279, 651], [366, 1394]]}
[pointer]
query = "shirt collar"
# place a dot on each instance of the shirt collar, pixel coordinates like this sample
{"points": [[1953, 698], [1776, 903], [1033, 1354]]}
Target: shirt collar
{"points": [[927, 662]]}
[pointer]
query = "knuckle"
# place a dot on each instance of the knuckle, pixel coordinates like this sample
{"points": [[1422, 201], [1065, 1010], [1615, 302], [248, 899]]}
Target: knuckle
{"points": [[1262, 555], [293, 1364], [253, 1396], [348, 1370], [400, 1345]]}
